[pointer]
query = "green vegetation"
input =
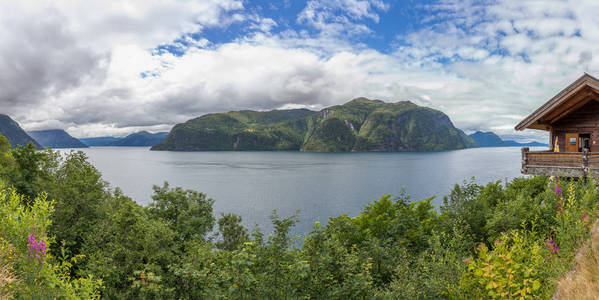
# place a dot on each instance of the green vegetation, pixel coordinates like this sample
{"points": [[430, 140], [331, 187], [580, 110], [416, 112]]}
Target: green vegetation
{"points": [[65, 234], [359, 125]]}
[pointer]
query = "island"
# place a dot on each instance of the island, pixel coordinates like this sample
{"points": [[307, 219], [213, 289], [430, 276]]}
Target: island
{"points": [[358, 125]]}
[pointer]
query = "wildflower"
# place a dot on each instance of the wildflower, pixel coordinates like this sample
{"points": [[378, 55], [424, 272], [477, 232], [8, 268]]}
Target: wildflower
{"points": [[552, 246], [36, 249], [558, 191], [585, 218]]}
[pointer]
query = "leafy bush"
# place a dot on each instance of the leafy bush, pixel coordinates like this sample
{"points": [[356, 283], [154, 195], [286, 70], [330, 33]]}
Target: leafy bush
{"points": [[514, 268], [32, 272]]}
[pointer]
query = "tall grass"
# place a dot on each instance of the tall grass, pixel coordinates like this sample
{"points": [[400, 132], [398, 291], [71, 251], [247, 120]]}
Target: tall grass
{"points": [[583, 281]]}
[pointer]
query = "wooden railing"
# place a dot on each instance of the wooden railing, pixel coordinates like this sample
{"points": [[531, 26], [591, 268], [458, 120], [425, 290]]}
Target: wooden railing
{"points": [[559, 163]]}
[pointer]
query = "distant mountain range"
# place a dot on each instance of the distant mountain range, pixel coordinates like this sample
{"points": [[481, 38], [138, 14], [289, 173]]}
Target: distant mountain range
{"points": [[490, 139], [358, 125], [56, 138], [138, 139], [14, 133], [99, 141]]}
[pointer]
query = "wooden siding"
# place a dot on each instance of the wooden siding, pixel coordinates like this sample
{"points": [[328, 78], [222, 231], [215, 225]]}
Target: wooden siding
{"points": [[585, 120]]}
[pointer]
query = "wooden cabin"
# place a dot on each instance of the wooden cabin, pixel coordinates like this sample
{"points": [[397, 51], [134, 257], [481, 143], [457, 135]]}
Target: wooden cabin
{"points": [[572, 119]]}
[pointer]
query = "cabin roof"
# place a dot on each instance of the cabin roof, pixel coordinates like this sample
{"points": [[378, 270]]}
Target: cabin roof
{"points": [[573, 97]]}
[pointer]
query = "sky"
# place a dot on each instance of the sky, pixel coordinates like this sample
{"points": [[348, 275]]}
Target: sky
{"points": [[97, 68]]}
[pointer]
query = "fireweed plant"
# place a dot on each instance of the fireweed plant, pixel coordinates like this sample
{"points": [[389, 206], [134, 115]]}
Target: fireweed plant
{"points": [[36, 250]]}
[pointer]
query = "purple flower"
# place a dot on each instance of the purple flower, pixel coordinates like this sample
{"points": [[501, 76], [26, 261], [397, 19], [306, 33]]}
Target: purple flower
{"points": [[36, 249], [558, 191], [552, 246], [585, 218]]}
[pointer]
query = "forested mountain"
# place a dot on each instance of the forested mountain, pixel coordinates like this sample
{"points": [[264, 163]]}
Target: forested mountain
{"points": [[359, 125], [56, 138], [13, 132], [141, 139]]}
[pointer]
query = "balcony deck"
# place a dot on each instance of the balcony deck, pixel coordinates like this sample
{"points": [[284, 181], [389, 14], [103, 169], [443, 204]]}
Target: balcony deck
{"points": [[568, 164]]}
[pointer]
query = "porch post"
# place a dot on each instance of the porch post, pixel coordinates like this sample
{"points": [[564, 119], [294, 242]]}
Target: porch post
{"points": [[524, 169], [585, 162]]}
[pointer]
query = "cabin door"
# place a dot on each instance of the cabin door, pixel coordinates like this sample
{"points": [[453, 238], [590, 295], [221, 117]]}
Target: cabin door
{"points": [[572, 142]]}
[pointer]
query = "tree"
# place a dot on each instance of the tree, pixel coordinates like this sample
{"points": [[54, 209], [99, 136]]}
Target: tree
{"points": [[232, 232], [187, 212], [5, 156], [128, 246], [25, 174], [80, 196]]}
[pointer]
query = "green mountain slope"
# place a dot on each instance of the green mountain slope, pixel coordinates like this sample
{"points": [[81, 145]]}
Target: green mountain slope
{"points": [[13, 132], [56, 138], [359, 125], [240, 130], [141, 139]]}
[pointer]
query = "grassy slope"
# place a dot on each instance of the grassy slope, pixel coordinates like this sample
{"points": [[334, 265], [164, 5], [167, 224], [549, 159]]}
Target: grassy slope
{"points": [[583, 281], [359, 125]]}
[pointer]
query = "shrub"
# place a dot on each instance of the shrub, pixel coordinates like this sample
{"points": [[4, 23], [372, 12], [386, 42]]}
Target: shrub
{"points": [[514, 268], [23, 231]]}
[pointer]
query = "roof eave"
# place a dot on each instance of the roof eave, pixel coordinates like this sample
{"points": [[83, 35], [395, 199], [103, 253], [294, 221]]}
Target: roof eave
{"points": [[574, 87]]}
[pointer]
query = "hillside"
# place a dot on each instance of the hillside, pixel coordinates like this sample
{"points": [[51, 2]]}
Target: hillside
{"points": [[141, 139], [490, 139], [138, 139], [13, 132], [56, 138], [359, 125]]}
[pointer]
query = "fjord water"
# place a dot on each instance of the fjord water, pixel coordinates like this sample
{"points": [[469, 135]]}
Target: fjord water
{"points": [[320, 185]]}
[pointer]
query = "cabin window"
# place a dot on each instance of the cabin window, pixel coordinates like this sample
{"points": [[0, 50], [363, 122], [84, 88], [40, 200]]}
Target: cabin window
{"points": [[572, 141]]}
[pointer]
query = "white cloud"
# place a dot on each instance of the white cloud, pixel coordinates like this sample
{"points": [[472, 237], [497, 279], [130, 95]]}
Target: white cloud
{"points": [[486, 65], [341, 17]]}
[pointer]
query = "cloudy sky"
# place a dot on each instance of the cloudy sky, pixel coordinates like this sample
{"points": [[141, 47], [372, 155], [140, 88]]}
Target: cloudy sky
{"points": [[111, 68]]}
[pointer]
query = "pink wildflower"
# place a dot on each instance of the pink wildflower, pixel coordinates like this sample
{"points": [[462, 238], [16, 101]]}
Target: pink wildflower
{"points": [[558, 191], [36, 249], [552, 246]]}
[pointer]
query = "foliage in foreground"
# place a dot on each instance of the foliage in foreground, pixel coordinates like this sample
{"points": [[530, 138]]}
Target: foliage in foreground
{"points": [[495, 241]]}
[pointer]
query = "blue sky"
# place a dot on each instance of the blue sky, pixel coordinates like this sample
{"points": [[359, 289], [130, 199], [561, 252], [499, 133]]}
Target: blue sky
{"points": [[114, 67], [397, 19]]}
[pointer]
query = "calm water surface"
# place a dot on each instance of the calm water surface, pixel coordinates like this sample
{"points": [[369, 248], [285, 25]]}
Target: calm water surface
{"points": [[320, 185]]}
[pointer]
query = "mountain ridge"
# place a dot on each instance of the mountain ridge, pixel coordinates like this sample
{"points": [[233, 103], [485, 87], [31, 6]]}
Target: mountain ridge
{"points": [[137, 139], [13, 132], [56, 138]]}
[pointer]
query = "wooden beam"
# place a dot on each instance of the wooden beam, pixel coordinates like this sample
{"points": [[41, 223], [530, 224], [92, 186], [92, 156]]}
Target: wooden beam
{"points": [[585, 81], [574, 104]]}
